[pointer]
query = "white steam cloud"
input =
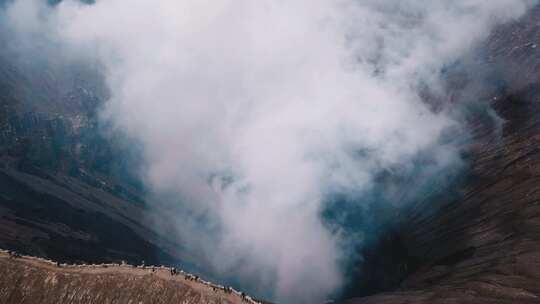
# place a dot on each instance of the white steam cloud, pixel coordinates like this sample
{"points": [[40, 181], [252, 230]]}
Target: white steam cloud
{"points": [[253, 112]]}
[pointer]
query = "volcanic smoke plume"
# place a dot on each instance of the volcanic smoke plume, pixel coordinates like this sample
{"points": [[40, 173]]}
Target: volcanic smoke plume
{"points": [[252, 114]]}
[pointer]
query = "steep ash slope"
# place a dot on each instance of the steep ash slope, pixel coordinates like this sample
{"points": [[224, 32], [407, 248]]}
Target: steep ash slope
{"points": [[61, 178], [485, 246]]}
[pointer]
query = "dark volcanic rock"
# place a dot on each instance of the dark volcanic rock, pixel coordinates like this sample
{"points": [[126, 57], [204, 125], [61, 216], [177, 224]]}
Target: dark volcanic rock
{"points": [[67, 187], [485, 246]]}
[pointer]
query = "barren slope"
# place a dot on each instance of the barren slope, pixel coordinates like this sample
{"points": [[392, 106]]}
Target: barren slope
{"points": [[485, 246], [30, 280]]}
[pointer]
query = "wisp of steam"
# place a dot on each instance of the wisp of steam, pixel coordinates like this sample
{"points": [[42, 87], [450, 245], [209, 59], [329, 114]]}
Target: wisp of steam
{"points": [[251, 114]]}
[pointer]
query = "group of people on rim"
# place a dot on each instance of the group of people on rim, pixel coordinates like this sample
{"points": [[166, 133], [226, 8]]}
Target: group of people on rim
{"points": [[14, 254]]}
